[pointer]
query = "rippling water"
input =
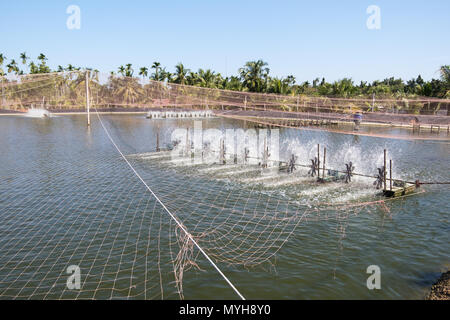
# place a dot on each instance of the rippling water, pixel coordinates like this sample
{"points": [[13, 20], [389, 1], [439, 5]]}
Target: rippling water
{"points": [[68, 198]]}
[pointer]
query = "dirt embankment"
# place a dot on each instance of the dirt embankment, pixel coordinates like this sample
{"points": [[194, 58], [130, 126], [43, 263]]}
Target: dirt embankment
{"points": [[441, 289]]}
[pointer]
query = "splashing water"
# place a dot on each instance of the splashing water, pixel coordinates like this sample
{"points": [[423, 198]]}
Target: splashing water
{"points": [[37, 113]]}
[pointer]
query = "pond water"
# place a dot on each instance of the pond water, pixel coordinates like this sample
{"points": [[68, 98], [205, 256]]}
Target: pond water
{"points": [[67, 197]]}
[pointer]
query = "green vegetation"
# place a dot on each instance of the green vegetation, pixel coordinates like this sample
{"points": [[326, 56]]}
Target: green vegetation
{"points": [[254, 77]]}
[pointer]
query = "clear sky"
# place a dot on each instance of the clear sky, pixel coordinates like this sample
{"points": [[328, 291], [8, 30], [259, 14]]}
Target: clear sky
{"points": [[307, 39]]}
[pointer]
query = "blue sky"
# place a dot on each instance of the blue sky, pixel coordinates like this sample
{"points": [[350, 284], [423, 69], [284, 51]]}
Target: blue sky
{"points": [[307, 39]]}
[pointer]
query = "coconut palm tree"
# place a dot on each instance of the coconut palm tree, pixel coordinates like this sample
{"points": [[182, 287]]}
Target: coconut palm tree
{"points": [[2, 59], [122, 70], [207, 78], [445, 73], [254, 75], [280, 86], [180, 74], [193, 79], [156, 76], [24, 57], [42, 58], [129, 90], [43, 68], [33, 68], [143, 72], [445, 76], [343, 88], [129, 71], [12, 66], [233, 83], [166, 75]]}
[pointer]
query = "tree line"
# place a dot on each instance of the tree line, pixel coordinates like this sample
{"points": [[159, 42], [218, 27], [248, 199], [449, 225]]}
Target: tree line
{"points": [[254, 76]]}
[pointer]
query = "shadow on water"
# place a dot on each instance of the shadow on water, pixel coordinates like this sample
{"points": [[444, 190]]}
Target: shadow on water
{"points": [[426, 279]]}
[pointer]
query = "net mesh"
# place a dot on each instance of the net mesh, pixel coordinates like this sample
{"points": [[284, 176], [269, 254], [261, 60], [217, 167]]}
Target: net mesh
{"points": [[66, 91], [86, 207]]}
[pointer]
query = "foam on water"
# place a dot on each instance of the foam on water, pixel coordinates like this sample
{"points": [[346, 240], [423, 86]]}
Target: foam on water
{"points": [[356, 194], [298, 184], [287, 181], [150, 155], [37, 113], [247, 170], [217, 168], [260, 179], [320, 188], [178, 161]]}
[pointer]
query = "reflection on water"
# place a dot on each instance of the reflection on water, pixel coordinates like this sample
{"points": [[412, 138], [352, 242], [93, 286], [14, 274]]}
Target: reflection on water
{"points": [[66, 197]]}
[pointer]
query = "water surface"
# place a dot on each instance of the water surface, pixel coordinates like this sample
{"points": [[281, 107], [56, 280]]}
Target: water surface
{"points": [[67, 197]]}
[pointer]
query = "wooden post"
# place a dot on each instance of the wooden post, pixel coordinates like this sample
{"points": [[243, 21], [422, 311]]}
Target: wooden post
{"points": [[222, 152], [384, 178], [297, 103], [324, 156], [157, 142], [390, 174], [188, 147], [87, 99], [318, 160], [245, 103]]}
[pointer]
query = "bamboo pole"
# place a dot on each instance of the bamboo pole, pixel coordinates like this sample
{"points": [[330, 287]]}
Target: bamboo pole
{"points": [[324, 156], [157, 142], [390, 174], [318, 160], [384, 173], [188, 147], [87, 99]]}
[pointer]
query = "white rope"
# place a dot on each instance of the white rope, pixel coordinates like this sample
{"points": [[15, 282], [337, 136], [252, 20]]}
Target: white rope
{"points": [[168, 211]]}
